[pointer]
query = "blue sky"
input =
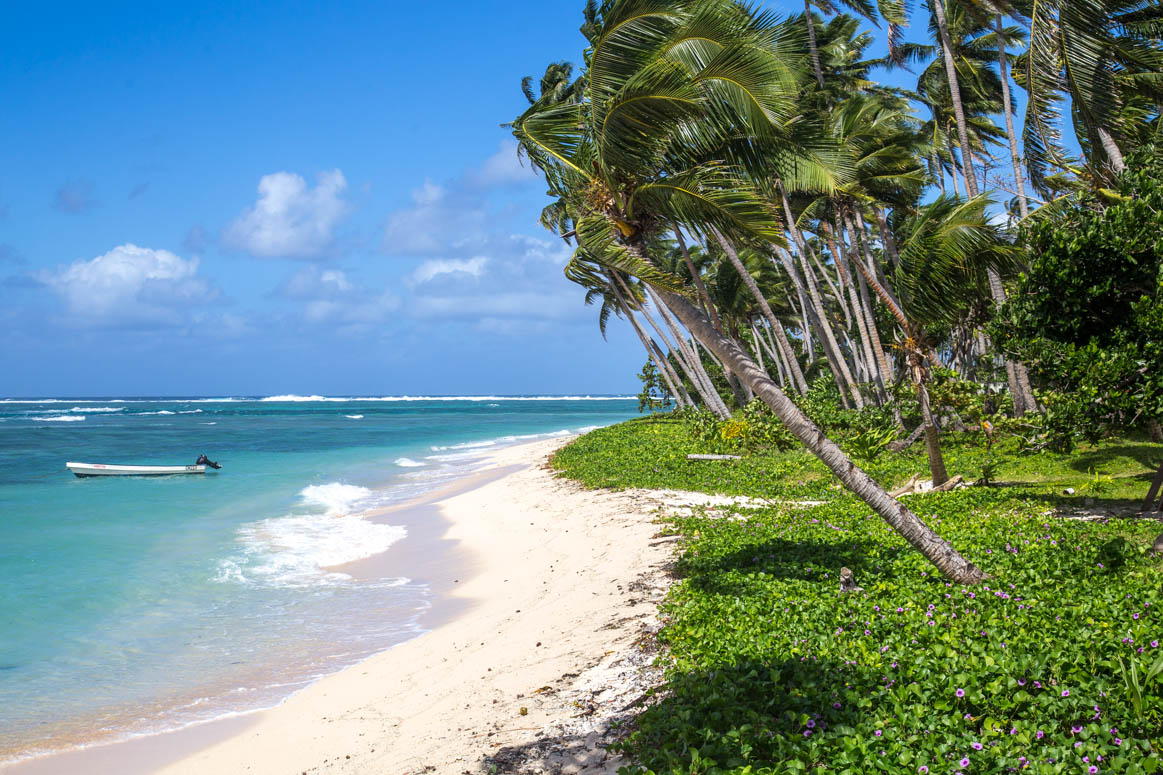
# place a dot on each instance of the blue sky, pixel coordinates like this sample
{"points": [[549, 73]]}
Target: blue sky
{"points": [[284, 197]]}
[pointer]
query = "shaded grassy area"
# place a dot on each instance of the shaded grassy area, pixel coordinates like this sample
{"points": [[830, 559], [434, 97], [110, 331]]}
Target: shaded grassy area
{"points": [[772, 670]]}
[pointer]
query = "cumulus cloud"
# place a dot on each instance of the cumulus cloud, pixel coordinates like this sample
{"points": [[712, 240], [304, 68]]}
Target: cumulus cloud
{"points": [[291, 219], [503, 168], [75, 196], [329, 296], [131, 285], [430, 270], [438, 217]]}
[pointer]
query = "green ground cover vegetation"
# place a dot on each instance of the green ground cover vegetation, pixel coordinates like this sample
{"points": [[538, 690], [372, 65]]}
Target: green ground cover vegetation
{"points": [[1049, 666]]}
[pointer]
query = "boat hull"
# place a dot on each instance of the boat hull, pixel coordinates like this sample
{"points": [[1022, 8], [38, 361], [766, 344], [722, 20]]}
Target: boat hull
{"points": [[102, 469]]}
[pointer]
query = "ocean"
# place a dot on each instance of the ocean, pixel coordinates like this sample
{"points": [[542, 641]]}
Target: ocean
{"points": [[135, 605]]}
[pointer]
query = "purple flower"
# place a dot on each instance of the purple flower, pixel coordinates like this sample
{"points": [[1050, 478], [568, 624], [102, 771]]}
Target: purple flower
{"points": [[807, 733], [960, 692], [1075, 730], [1038, 734], [1092, 769], [877, 733], [923, 770], [811, 724], [964, 762], [1065, 692], [1154, 644], [977, 746], [1118, 741], [1021, 682]]}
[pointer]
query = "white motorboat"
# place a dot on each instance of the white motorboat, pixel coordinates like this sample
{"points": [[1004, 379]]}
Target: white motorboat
{"points": [[102, 469]]}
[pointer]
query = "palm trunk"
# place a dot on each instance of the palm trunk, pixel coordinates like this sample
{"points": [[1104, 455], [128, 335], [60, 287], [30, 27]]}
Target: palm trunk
{"points": [[873, 332], [680, 398], [661, 361], [953, 166], [867, 316], [828, 339], [938, 551], [839, 297], [1007, 109], [932, 436], [955, 96], [694, 371], [698, 279], [995, 286], [812, 43], [761, 300], [710, 394], [1112, 150]]}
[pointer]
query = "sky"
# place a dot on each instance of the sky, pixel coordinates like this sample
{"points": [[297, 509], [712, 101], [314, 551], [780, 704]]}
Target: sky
{"points": [[285, 197]]}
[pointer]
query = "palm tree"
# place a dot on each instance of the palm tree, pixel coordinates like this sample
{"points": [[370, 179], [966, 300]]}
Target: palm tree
{"points": [[667, 86], [1102, 53]]}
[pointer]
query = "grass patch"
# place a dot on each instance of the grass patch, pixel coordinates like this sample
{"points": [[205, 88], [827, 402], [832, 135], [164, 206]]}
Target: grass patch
{"points": [[773, 671]]}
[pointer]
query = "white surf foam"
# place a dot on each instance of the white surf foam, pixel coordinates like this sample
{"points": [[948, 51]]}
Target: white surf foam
{"points": [[60, 418], [466, 445], [407, 462], [297, 549], [337, 498], [354, 416], [97, 409], [208, 423], [190, 411], [163, 411]]}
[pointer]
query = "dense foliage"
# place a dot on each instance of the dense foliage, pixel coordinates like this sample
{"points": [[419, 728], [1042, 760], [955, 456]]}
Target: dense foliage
{"points": [[1087, 316], [770, 669]]}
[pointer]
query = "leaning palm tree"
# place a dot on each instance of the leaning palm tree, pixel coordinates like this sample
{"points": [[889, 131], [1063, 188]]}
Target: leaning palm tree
{"points": [[668, 85]]}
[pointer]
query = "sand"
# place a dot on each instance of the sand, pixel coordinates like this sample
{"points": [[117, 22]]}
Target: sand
{"points": [[546, 639]]}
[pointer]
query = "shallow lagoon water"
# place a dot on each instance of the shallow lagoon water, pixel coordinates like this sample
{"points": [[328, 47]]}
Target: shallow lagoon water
{"points": [[130, 605]]}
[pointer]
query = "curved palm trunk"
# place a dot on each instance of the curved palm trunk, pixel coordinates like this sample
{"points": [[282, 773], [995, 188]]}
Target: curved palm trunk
{"points": [[938, 551], [698, 279], [694, 372], [873, 332], [673, 384], [827, 338], [695, 364], [875, 356], [761, 300], [661, 362]]}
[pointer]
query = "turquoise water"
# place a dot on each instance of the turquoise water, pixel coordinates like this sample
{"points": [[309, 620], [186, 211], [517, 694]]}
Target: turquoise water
{"points": [[130, 605]]}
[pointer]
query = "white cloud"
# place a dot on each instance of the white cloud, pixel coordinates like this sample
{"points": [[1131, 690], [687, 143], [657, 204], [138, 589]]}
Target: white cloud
{"points": [[430, 270], [290, 219], [131, 285], [331, 297], [436, 219], [503, 168]]}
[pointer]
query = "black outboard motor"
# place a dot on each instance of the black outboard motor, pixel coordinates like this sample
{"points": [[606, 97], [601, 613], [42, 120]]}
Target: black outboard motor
{"points": [[203, 460]]}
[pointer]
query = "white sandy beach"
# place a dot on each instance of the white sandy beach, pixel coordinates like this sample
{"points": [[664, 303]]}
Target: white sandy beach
{"points": [[556, 587]]}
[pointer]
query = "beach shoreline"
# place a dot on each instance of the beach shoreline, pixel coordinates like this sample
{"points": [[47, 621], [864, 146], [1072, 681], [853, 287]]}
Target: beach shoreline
{"points": [[530, 574]]}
